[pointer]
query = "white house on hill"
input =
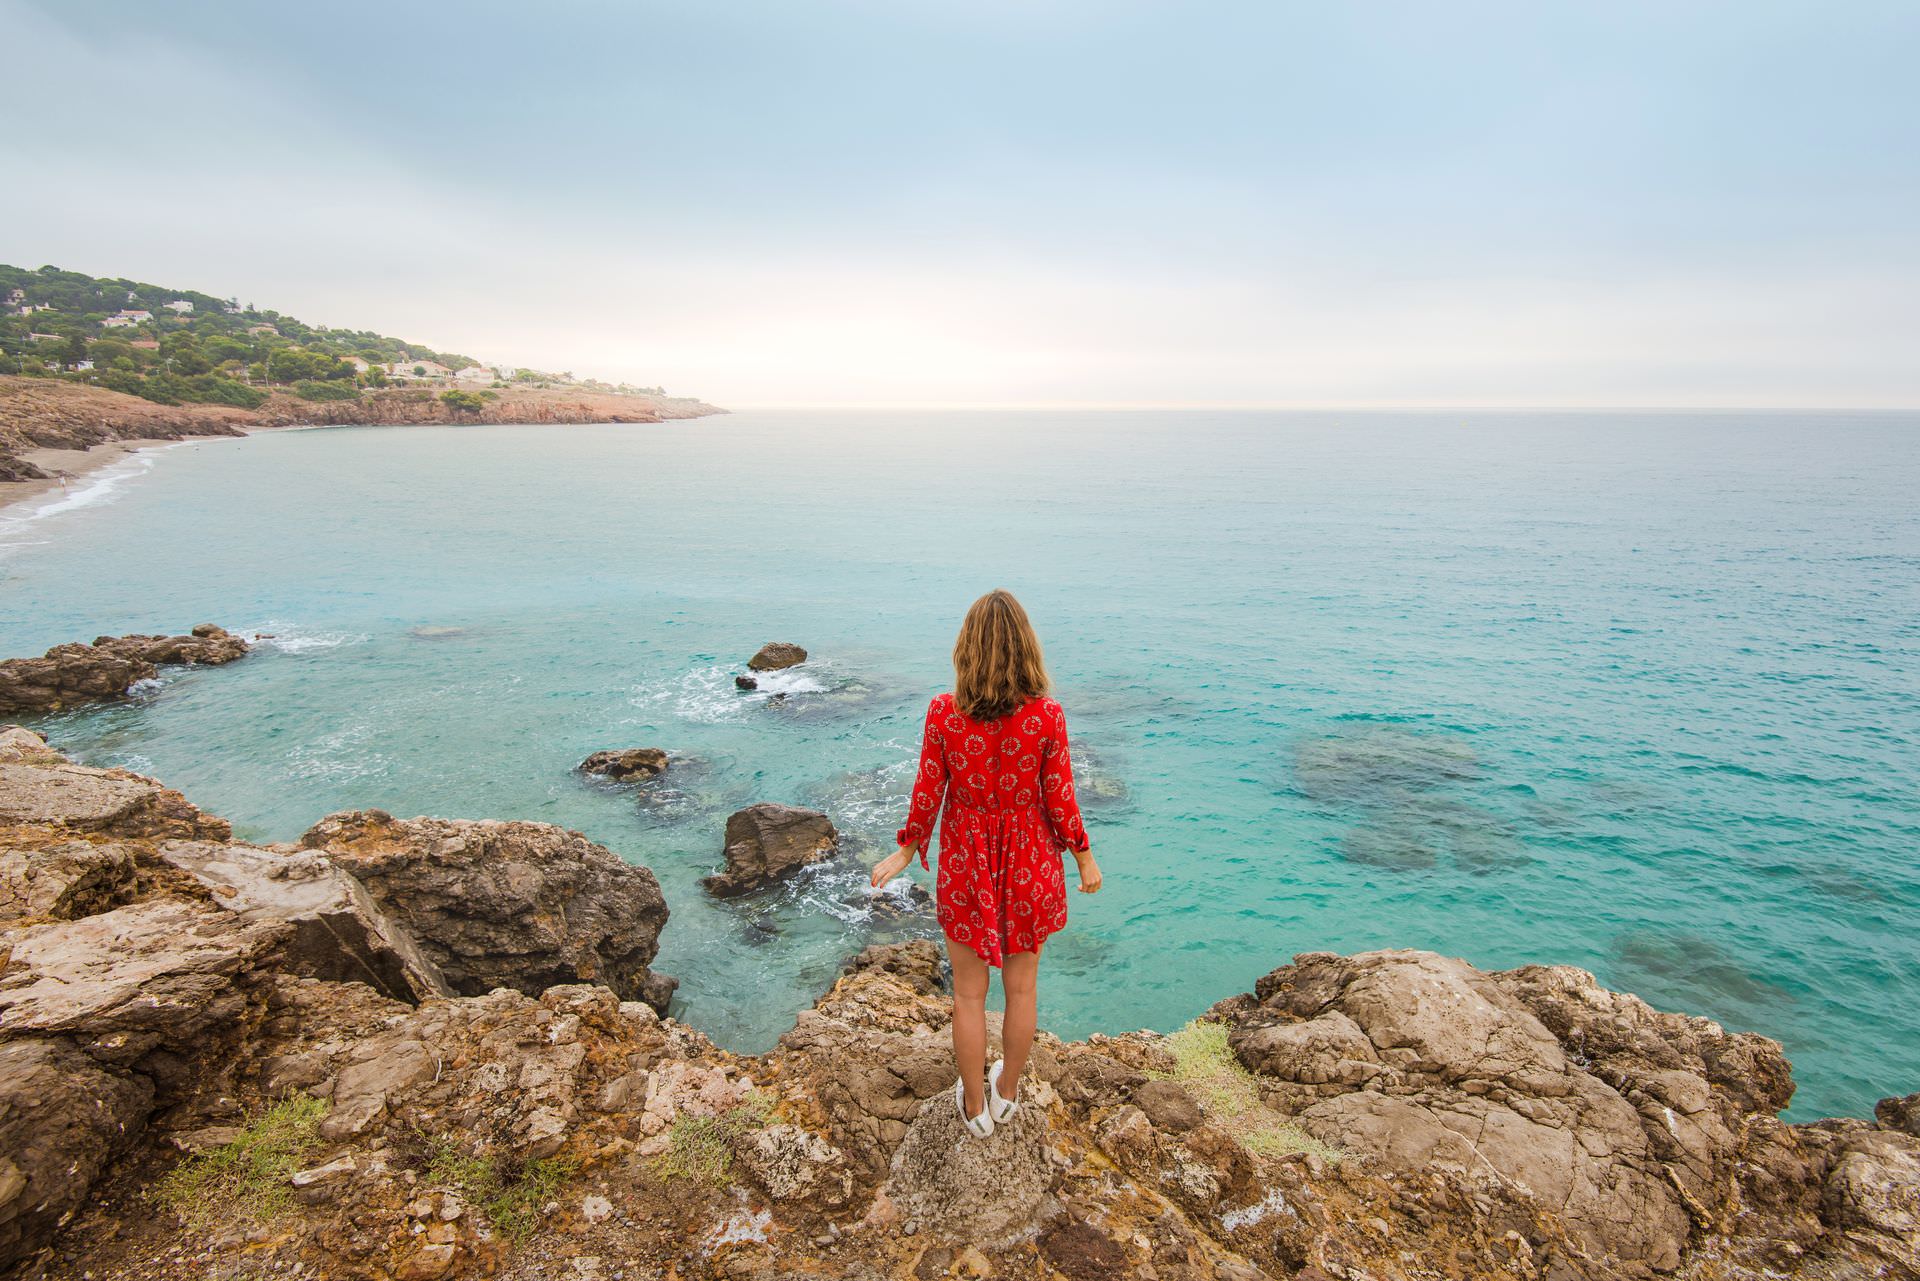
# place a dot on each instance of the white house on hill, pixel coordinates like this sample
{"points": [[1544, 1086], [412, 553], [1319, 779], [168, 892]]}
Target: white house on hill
{"points": [[180, 305]]}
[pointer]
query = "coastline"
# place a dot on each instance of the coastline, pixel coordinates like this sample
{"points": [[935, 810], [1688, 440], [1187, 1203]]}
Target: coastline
{"points": [[81, 465], [50, 428]]}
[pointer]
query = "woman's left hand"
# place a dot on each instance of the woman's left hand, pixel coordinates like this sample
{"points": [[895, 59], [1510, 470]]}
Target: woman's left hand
{"points": [[892, 865]]}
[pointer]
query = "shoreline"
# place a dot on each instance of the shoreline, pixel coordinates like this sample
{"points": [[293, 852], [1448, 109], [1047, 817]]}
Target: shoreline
{"points": [[80, 465]]}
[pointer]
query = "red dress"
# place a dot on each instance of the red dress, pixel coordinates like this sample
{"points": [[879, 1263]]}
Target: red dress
{"points": [[1010, 812]]}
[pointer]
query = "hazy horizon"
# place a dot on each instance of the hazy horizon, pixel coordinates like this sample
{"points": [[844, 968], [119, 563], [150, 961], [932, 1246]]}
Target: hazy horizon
{"points": [[1061, 205]]}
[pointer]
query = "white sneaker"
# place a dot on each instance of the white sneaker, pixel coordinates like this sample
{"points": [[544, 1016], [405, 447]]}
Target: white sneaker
{"points": [[1001, 1110], [978, 1126]]}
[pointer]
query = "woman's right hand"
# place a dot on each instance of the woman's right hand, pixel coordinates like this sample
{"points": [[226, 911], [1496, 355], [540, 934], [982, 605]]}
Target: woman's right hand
{"points": [[892, 865], [1089, 872]]}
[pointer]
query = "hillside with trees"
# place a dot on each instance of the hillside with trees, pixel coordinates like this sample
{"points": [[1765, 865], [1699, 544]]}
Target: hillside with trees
{"points": [[183, 347]]}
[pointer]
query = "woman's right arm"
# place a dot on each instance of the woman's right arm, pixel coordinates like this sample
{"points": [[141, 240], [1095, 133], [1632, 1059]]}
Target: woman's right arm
{"points": [[929, 789]]}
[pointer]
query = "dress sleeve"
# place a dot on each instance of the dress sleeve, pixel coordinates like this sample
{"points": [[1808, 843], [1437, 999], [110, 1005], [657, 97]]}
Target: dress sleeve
{"points": [[1056, 781], [929, 786]]}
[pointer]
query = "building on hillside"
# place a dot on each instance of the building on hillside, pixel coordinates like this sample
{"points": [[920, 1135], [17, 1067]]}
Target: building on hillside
{"points": [[47, 337], [27, 309], [424, 368], [126, 318], [474, 374], [83, 365], [145, 344], [132, 296], [17, 298], [359, 366], [263, 328], [180, 305]]}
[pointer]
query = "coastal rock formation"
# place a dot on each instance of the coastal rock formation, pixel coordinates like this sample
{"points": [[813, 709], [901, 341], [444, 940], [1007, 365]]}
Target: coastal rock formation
{"points": [[1392, 1116], [768, 842], [76, 673], [64, 880], [775, 655], [63, 1118], [338, 933], [50, 413], [632, 762], [518, 905]]}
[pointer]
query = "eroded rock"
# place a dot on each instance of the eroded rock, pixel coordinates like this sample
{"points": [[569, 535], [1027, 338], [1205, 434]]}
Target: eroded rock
{"points": [[63, 1117], [338, 931], [768, 842], [64, 880], [518, 905], [775, 655], [77, 673]]}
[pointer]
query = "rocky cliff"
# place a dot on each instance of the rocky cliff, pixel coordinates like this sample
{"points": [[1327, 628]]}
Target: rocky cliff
{"points": [[194, 1084], [48, 413]]}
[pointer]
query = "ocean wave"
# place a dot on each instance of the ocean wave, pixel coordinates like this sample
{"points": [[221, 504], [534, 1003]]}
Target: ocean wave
{"points": [[290, 638], [709, 696], [97, 487]]}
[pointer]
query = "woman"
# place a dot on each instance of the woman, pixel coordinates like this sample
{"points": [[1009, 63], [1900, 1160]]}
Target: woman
{"points": [[996, 749]]}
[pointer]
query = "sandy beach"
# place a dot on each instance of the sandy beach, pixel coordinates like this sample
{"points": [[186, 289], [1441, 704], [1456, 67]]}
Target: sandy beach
{"points": [[66, 468]]}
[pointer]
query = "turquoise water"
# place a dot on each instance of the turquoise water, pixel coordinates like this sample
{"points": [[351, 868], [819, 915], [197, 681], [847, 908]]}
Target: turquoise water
{"points": [[1632, 692]]}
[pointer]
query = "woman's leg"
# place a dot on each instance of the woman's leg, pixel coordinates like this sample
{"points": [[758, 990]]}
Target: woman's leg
{"points": [[970, 1023], [1020, 980]]}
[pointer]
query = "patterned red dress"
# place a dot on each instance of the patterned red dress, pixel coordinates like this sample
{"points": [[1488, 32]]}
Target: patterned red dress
{"points": [[1010, 813]]}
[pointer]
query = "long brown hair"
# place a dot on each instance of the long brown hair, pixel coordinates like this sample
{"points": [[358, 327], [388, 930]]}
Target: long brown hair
{"points": [[996, 659]]}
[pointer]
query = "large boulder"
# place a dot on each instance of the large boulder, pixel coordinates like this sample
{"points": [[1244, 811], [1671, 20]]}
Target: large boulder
{"points": [[77, 673], [64, 880], [767, 842], [338, 932], [969, 1190], [506, 904], [63, 1117], [626, 763], [1538, 1083], [775, 655]]}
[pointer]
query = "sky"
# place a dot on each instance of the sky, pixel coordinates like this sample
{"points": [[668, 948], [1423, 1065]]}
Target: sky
{"points": [[1043, 202]]}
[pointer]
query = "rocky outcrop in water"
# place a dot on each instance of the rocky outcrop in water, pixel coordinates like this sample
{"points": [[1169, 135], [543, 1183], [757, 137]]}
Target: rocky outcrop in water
{"points": [[1392, 1116], [77, 673], [775, 655], [767, 843], [629, 763], [518, 905]]}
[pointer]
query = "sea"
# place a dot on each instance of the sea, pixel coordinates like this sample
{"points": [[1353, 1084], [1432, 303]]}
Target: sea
{"points": [[1635, 692]]}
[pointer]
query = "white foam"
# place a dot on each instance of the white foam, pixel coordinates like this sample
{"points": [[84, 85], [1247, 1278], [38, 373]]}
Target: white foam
{"points": [[290, 638], [98, 487]]}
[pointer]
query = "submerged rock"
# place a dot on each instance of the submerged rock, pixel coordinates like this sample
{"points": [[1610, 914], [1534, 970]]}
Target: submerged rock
{"points": [[519, 905], [767, 842], [77, 673], [623, 764], [745, 682], [775, 655]]}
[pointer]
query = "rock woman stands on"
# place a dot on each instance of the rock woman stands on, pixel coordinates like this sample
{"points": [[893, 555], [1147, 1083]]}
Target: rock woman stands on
{"points": [[996, 751]]}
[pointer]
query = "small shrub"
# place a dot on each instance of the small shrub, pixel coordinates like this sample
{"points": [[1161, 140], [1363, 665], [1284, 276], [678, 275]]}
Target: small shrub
{"points": [[510, 1193], [308, 389], [1226, 1091], [245, 1179], [700, 1148]]}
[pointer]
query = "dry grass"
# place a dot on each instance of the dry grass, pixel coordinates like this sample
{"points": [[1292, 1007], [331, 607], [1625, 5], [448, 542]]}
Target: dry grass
{"points": [[700, 1148], [1227, 1092], [245, 1180], [509, 1193]]}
